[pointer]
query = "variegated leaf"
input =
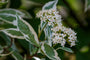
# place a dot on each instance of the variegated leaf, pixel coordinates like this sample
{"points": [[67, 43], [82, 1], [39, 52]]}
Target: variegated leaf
{"points": [[65, 49], [9, 18], [12, 11], [50, 5], [5, 25], [50, 52], [9, 15], [14, 33], [28, 32], [47, 30]]}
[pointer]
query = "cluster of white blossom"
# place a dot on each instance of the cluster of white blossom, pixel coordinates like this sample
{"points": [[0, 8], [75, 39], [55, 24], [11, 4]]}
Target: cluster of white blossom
{"points": [[50, 16], [60, 34]]}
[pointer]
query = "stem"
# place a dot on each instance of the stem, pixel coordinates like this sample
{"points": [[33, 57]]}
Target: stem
{"points": [[8, 5], [42, 30], [54, 45]]}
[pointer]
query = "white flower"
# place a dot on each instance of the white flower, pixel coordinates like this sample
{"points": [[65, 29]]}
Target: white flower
{"points": [[50, 16], [63, 32], [60, 34]]}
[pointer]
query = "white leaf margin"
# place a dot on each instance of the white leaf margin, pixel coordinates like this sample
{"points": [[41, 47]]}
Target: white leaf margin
{"points": [[17, 11], [7, 20], [49, 3], [14, 56], [36, 58], [66, 49], [56, 54], [30, 28], [13, 36]]}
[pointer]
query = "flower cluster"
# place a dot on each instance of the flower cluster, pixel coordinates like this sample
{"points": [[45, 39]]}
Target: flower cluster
{"points": [[60, 34], [50, 16]]}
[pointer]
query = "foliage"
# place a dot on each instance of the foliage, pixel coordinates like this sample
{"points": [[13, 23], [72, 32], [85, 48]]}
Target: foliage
{"points": [[23, 36]]}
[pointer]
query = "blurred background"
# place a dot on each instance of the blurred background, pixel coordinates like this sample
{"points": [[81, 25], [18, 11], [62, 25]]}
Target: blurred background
{"points": [[75, 14]]}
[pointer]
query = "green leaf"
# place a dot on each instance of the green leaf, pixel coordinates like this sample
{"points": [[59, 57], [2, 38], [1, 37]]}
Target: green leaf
{"points": [[5, 25], [9, 15], [50, 52], [28, 32], [47, 29], [65, 49], [14, 33], [12, 11], [9, 18], [50, 5]]}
